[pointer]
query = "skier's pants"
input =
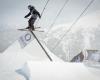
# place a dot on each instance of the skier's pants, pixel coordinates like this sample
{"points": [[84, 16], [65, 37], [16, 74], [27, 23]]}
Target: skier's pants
{"points": [[31, 23]]}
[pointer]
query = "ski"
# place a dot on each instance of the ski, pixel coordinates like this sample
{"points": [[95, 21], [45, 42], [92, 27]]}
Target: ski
{"points": [[30, 30], [37, 27]]}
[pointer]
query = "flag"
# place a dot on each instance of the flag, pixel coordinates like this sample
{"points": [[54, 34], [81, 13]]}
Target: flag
{"points": [[94, 56], [25, 39]]}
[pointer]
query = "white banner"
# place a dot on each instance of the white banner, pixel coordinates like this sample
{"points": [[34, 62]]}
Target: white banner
{"points": [[25, 39]]}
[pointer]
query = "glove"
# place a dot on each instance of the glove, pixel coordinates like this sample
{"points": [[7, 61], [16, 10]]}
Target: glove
{"points": [[25, 17]]}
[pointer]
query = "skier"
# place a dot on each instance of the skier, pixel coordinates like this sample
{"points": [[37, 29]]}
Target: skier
{"points": [[34, 14]]}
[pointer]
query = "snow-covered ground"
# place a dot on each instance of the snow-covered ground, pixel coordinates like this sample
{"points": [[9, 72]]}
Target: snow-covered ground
{"points": [[14, 57]]}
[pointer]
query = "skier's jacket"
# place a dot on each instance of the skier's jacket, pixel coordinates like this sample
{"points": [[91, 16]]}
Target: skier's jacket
{"points": [[34, 13]]}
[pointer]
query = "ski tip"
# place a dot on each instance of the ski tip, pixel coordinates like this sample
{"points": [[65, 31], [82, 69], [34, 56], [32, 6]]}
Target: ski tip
{"points": [[22, 29], [38, 30]]}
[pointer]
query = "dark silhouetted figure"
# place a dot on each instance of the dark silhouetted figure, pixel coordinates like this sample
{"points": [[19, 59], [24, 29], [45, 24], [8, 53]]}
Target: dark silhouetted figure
{"points": [[34, 14]]}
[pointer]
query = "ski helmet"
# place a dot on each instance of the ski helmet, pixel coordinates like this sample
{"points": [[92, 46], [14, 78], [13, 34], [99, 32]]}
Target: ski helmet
{"points": [[30, 6]]}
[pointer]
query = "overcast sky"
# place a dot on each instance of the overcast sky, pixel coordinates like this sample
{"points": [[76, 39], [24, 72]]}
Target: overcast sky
{"points": [[12, 14]]}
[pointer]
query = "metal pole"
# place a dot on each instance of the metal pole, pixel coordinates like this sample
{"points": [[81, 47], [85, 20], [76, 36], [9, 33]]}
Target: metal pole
{"points": [[41, 45]]}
